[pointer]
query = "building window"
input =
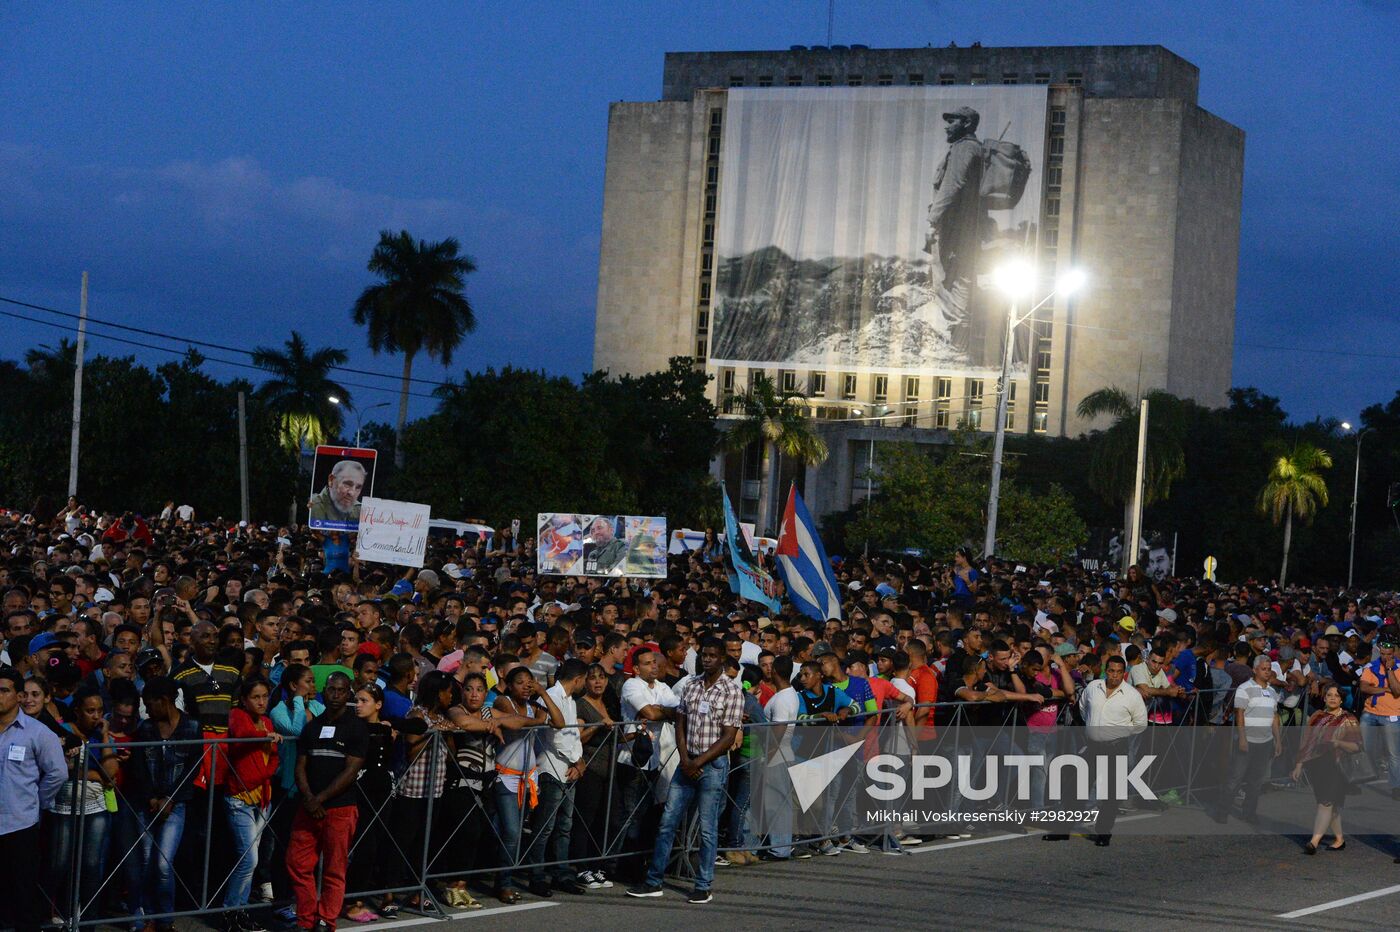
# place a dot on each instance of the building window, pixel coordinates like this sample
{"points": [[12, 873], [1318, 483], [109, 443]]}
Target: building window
{"points": [[726, 380], [1042, 393], [1042, 77], [788, 381], [882, 387], [1075, 79], [794, 80], [712, 175], [700, 348], [1042, 361], [947, 79], [944, 387], [707, 261], [710, 204], [1040, 420], [1050, 238], [823, 80], [709, 235], [1057, 117], [816, 384], [885, 80], [765, 80], [978, 78], [854, 80], [976, 389], [1052, 207], [1010, 77], [702, 320], [736, 80], [911, 415], [704, 292], [911, 388], [941, 417], [1054, 176], [714, 147], [916, 80], [848, 385], [1057, 145]]}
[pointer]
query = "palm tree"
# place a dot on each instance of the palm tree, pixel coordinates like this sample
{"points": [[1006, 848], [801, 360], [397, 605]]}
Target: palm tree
{"points": [[778, 421], [300, 390], [1113, 467], [419, 305], [1295, 487]]}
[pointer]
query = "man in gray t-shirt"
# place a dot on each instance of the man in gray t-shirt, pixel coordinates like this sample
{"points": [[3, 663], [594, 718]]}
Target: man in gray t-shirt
{"points": [[1257, 741]]}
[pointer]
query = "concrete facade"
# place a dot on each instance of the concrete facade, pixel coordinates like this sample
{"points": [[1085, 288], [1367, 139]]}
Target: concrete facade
{"points": [[1146, 199]]}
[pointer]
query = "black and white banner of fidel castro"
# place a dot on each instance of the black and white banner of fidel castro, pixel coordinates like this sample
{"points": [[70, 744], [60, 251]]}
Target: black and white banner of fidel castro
{"points": [[858, 227]]}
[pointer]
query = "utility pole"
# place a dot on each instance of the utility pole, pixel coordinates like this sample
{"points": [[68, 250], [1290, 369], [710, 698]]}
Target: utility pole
{"points": [[242, 459], [1130, 553], [78, 392]]}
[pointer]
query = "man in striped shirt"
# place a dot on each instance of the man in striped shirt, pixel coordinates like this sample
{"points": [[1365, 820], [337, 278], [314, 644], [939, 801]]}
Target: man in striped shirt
{"points": [[1257, 731]]}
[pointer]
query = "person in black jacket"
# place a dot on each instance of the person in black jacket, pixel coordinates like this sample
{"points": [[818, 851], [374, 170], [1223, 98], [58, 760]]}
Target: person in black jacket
{"points": [[161, 774]]}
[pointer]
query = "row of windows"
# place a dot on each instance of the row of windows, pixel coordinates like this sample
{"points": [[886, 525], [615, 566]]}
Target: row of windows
{"points": [[975, 416], [913, 79]]}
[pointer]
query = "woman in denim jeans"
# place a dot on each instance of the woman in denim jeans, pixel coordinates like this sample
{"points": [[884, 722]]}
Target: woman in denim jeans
{"points": [[248, 794], [160, 781], [81, 804]]}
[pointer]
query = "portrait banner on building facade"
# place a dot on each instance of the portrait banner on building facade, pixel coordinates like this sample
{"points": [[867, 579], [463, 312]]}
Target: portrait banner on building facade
{"points": [[859, 227], [601, 545], [339, 477]]}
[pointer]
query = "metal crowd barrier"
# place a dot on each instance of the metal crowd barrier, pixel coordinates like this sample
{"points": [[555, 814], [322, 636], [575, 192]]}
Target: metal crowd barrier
{"points": [[440, 853]]}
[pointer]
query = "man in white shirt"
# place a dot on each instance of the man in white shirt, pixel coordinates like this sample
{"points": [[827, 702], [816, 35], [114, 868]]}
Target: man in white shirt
{"points": [[560, 763], [1113, 713], [777, 786], [651, 703], [1258, 740]]}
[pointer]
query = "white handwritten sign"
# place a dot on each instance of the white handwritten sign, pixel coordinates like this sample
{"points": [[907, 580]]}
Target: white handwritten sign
{"points": [[392, 532]]}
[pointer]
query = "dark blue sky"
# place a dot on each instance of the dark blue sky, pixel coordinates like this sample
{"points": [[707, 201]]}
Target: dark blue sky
{"points": [[223, 171]]}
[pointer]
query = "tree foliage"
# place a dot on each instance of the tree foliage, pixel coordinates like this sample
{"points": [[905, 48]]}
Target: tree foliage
{"points": [[513, 443], [936, 502], [299, 390]]}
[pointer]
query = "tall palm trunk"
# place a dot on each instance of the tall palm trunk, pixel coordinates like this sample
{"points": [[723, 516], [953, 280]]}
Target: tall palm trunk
{"points": [[403, 410], [1287, 542]]}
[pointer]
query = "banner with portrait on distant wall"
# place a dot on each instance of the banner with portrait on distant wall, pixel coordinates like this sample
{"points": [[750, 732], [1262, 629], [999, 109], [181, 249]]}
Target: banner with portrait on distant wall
{"points": [[858, 227]]}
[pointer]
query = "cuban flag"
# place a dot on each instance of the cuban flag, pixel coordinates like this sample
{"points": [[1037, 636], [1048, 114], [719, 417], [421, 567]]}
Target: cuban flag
{"points": [[802, 562]]}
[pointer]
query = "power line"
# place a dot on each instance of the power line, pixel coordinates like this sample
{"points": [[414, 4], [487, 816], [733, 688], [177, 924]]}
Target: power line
{"points": [[226, 362], [194, 342]]}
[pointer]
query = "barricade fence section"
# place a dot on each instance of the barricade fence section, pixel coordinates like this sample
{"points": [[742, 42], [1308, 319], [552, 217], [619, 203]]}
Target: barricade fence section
{"points": [[443, 816]]}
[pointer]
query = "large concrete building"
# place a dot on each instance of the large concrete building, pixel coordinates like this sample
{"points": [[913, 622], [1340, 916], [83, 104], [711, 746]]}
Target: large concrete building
{"points": [[1141, 188]]}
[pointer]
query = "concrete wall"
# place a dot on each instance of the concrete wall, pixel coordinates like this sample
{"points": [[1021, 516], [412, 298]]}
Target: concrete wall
{"points": [[646, 266], [1207, 256], [1125, 233], [1108, 71]]}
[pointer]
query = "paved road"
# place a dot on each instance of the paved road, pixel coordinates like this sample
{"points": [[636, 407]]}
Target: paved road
{"points": [[1240, 881]]}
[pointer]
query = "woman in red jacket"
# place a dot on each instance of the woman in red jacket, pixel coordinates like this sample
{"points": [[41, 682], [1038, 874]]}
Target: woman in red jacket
{"points": [[252, 765]]}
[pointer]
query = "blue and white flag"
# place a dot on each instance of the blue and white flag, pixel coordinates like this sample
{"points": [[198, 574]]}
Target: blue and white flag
{"points": [[802, 562], [746, 578]]}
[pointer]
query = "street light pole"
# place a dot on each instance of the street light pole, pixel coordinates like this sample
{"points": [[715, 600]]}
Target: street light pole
{"points": [[1355, 497], [994, 492], [1017, 279], [360, 419]]}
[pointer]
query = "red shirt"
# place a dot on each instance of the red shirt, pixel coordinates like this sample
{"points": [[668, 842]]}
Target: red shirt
{"points": [[925, 682]]}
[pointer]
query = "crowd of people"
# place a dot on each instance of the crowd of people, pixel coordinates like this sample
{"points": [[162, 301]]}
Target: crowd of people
{"points": [[182, 699]]}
